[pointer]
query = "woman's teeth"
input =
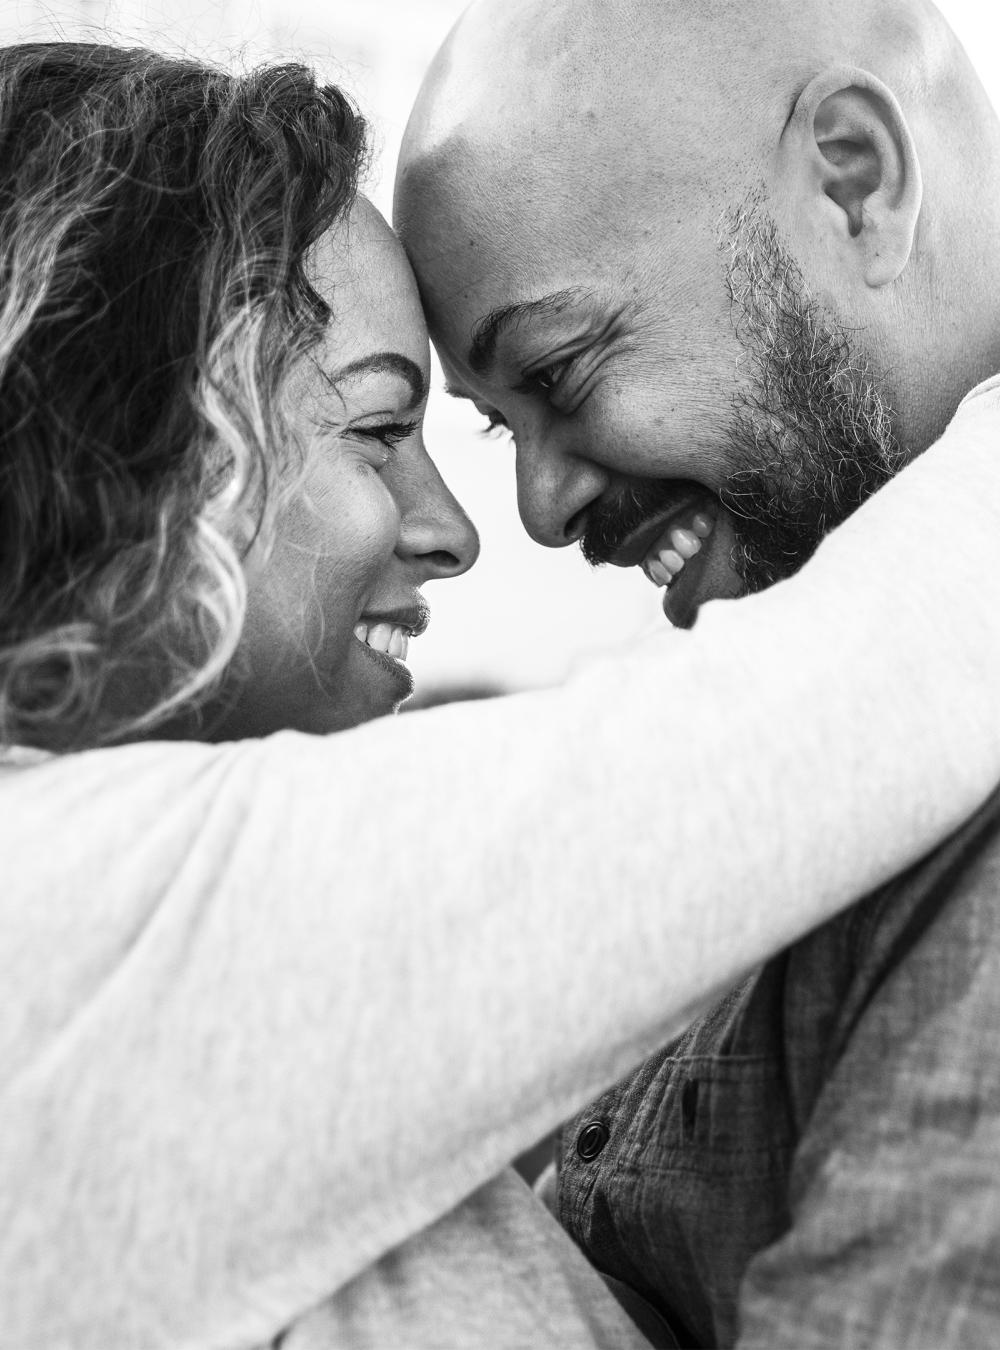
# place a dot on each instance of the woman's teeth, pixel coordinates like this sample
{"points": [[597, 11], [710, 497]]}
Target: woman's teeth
{"points": [[385, 638], [670, 553]]}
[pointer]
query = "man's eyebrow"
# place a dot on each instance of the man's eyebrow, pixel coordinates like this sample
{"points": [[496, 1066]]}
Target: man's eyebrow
{"points": [[381, 363], [489, 330]]}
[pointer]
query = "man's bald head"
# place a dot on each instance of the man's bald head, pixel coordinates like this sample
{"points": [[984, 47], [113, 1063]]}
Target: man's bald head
{"points": [[606, 146]]}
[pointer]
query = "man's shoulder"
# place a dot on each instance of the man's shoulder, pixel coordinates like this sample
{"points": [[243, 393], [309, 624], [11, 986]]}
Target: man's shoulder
{"points": [[942, 912], [920, 940], [911, 970]]}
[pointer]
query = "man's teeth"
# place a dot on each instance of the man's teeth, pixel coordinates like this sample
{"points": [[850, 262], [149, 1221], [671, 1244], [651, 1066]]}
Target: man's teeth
{"points": [[659, 570], [686, 543], [682, 543], [385, 638]]}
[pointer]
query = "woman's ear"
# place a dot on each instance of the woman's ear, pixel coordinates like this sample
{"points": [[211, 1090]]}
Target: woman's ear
{"points": [[849, 176]]}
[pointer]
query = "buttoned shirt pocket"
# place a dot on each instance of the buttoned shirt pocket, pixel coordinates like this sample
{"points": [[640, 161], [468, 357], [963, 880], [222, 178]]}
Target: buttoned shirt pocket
{"points": [[690, 1182]]}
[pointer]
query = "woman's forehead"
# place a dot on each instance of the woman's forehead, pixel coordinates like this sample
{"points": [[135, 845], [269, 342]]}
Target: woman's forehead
{"points": [[360, 244], [363, 274]]}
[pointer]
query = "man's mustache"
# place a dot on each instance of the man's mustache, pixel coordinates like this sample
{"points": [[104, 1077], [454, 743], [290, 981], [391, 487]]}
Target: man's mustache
{"points": [[611, 520]]}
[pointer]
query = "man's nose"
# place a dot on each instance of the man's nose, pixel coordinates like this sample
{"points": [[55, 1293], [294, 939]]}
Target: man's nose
{"points": [[434, 531], [555, 490]]}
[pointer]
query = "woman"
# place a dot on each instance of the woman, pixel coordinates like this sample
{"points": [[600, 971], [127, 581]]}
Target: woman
{"points": [[176, 388], [280, 1009]]}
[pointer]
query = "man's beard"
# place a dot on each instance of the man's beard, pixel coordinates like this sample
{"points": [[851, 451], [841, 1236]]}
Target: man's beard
{"points": [[810, 437]]}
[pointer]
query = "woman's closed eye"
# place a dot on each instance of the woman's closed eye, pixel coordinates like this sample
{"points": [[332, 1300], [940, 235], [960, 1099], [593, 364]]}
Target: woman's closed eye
{"points": [[380, 438], [389, 434]]}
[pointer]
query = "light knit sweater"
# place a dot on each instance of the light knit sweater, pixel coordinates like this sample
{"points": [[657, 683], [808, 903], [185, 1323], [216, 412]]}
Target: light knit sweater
{"points": [[277, 1014]]}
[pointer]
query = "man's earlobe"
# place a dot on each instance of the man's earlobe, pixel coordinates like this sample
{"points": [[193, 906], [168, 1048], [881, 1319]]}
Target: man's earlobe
{"points": [[849, 173]]}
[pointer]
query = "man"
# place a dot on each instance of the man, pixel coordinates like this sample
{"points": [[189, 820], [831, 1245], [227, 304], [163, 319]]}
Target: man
{"points": [[722, 269]]}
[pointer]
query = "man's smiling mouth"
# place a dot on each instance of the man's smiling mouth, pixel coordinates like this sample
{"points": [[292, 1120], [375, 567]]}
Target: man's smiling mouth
{"points": [[669, 538], [676, 549]]}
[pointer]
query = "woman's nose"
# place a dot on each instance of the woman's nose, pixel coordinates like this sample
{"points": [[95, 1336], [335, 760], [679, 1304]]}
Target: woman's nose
{"points": [[434, 530]]}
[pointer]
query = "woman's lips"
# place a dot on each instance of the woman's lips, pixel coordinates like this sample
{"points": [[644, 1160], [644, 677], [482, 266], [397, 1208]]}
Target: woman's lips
{"points": [[389, 639], [385, 639], [387, 664]]}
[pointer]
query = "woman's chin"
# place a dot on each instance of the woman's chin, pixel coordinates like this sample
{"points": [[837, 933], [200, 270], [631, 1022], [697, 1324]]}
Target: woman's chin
{"points": [[344, 718], [367, 686], [312, 717]]}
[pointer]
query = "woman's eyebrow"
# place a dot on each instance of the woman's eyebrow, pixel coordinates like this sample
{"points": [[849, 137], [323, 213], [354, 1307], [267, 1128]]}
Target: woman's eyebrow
{"points": [[381, 363]]}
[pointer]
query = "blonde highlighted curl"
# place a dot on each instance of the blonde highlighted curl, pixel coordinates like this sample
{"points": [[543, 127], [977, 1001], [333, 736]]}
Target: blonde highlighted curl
{"points": [[155, 220]]}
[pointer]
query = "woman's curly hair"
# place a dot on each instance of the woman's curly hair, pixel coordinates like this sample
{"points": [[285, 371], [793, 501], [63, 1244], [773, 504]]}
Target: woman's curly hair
{"points": [[155, 219]]}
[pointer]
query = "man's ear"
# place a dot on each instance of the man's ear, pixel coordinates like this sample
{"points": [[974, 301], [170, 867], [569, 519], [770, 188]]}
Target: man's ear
{"points": [[849, 176]]}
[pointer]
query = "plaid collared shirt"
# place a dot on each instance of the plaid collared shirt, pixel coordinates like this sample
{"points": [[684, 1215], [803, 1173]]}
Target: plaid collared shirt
{"points": [[816, 1163]]}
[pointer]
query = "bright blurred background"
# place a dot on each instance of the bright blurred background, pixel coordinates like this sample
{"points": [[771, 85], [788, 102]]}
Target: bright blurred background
{"points": [[524, 615]]}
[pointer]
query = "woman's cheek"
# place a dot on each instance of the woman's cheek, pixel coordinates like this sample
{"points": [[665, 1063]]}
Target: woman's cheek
{"points": [[360, 520], [377, 518]]}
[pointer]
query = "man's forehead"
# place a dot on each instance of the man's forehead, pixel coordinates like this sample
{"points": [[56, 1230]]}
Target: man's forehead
{"points": [[480, 282], [602, 88], [472, 309], [508, 64], [505, 227], [570, 156], [608, 75]]}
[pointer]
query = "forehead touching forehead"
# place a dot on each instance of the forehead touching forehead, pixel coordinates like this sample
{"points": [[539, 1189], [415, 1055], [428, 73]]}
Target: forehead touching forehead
{"points": [[361, 255], [578, 123]]}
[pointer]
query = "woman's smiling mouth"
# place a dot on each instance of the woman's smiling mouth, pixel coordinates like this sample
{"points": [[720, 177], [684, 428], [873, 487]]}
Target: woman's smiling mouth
{"points": [[385, 639]]}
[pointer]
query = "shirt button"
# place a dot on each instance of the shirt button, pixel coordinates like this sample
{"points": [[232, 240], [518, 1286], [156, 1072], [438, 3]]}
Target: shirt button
{"points": [[591, 1140]]}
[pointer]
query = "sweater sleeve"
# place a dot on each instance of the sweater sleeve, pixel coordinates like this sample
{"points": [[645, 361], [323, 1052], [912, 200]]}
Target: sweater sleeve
{"points": [[301, 996]]}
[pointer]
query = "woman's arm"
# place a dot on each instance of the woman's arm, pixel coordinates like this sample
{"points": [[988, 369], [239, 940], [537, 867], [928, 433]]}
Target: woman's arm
{"points": [[311, 993]]}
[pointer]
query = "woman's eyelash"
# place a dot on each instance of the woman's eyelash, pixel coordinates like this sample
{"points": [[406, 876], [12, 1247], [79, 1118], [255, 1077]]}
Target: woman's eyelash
{"points": [[389, 433]]}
